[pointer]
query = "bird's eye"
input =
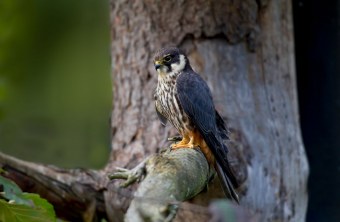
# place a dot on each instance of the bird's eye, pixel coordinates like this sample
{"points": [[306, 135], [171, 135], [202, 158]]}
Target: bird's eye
{"points": [[167, 58]]}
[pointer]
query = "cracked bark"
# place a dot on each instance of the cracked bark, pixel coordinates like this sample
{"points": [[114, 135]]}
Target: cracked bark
{"points": [[245, 51]]}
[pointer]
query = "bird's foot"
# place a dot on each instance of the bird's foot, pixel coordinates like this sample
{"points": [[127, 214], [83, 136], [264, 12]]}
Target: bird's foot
{"points": [[183, 145]]}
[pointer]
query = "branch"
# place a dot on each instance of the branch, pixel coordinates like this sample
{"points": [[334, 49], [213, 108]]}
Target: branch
{"points": [[170, 178], [78, 188]]}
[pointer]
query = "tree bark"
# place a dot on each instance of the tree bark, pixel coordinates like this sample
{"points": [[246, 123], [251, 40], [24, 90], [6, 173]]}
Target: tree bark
{"points": [[245, 51]]}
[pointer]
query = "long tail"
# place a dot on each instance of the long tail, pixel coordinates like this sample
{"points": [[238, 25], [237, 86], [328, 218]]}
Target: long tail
{"points": [[226, 184], [220, 151]]}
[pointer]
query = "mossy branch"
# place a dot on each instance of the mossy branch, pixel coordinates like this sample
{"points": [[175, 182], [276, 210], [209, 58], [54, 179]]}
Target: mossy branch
{"points": [[170, 178]]}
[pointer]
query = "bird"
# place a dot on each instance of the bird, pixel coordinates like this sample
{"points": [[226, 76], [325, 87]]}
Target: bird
{"points": [[184, 99]]}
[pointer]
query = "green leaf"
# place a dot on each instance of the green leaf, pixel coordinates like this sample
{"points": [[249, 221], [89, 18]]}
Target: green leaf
{"points": [[23, 206], [11, 191], [23, 213], [40, 203]]}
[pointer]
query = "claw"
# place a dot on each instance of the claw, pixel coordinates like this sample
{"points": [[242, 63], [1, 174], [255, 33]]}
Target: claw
{"points": [[175, 138], [177, 146]]}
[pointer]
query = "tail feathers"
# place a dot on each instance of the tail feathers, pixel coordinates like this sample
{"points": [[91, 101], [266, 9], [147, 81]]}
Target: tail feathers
{"points": [[224, 164], [227, 186], [228, 180], [220, 152]]}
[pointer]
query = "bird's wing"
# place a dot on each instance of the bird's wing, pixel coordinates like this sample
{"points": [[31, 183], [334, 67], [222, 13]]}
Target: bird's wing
{"points": [[221, 126], [196, 100]]}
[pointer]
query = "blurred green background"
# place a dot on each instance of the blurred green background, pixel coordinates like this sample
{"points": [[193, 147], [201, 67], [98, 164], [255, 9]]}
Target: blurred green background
{"points": [[55, 85]]}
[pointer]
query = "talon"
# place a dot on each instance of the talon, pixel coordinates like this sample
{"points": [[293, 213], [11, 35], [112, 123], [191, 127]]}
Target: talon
{"points": [[175, 138], [178, 146]]}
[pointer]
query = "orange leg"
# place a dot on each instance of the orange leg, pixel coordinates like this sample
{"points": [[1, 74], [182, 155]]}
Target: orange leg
{"points": [[207, 153], [194, 139], [190, 139], [182, 144]]}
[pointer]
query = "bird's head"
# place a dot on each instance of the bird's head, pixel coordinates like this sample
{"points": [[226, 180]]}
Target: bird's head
{"points": [[170, 61]]}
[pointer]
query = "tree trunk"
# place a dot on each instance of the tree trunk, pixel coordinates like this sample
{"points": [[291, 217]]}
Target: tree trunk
{"points": [[245, 51]]}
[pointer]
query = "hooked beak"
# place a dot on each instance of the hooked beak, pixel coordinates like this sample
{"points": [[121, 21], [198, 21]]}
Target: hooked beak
{"points": [[158, 64]]}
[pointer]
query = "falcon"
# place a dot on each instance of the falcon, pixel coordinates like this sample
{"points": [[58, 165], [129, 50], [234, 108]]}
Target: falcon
{"points": [[184, 99]]}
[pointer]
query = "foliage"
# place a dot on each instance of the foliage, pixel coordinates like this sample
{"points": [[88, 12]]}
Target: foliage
{"points": [[55, 87], [16, 205]]}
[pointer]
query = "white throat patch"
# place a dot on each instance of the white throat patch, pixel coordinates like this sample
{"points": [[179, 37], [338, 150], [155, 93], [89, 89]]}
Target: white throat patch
{"points": [[162, 71], [178, 67]]}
